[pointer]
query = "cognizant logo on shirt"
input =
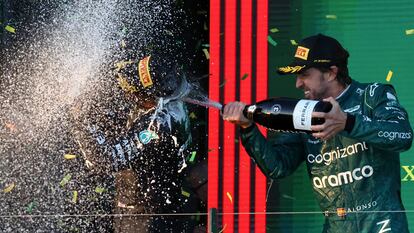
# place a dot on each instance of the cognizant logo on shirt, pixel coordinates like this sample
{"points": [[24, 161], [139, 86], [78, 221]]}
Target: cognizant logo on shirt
{"points": [[342, 178], [339, 153]]}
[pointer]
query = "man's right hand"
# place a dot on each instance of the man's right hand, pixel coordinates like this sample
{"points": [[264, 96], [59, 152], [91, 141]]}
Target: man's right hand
{"points": [[233, 112]]}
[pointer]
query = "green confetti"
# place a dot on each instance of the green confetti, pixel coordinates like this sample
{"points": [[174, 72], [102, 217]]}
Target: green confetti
{"points": [[244, 76], [193, 155], [10, 29], [206, 45], [99, 190], [185, 193], [271, 41], [30, 207], [205, 26], [293, 42], [65, 180], [274, 30], [224, 83], [236, 140]]}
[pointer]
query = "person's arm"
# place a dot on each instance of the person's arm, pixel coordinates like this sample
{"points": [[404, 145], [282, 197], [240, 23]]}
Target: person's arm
{"points": [[278, 156], [386, 125]]}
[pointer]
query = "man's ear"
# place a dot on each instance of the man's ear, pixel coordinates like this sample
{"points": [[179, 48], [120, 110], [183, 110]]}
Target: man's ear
{"points": [[333, 72]]}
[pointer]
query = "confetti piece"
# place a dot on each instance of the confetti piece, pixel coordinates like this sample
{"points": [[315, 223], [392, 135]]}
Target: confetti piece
{"points": [[123, 44], [271, 41], [75, 197], [211, 150], [169, 32], [288, 197], [331, 17], [409, 31], [244, 76], [224, 228], [99, 190], [31, 206], [9, 188], [65, 180], [224, 83], [10, 29], [193, 155], [230, 197], [69, 156], [206, 53], [193, 115], [236, 140], [293, 42], [206, 45], [205, 26], [184, 193], [274, 30], [12, 127], [389, 76]]}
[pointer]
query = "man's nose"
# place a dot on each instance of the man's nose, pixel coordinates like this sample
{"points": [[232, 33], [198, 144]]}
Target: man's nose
{"points": [[299, 82]]}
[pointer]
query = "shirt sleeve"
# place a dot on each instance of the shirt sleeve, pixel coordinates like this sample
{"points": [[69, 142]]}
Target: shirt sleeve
{"points": [[385, 123], [277, 156]]}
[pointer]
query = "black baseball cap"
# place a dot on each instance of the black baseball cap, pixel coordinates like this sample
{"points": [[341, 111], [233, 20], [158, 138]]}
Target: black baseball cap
{"points": [[316, 51], [149, 78]]}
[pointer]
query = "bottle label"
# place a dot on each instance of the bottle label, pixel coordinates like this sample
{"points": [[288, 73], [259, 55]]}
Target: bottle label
{"points": [[302, 114]]}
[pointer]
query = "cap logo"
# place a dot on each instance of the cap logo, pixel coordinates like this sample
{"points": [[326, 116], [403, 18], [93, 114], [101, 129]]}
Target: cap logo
{"points": [[302, 53], [291, 69], [143, 71]]}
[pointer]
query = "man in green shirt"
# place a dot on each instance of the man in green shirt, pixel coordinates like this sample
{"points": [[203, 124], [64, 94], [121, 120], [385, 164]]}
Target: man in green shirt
{"points": [[353, 158]]}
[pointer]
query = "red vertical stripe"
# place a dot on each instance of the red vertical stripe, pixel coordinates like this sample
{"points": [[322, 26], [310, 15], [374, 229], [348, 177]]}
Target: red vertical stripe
{"points": [[229, 128], [262, 79], [213, 120], [245, 96]]}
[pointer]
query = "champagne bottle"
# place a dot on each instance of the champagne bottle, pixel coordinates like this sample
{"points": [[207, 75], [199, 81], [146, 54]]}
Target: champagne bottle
{"points": [[286, 114]]}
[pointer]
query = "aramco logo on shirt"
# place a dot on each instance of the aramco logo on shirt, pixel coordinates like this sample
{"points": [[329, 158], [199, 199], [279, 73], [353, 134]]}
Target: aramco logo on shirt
{"points": [[342, 178]]}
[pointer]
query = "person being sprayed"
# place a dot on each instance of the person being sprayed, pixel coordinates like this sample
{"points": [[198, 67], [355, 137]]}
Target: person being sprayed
{"points": [[144, 146]]}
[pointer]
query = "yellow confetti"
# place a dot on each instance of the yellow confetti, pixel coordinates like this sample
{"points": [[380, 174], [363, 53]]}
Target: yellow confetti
{"points": [[185, 193], [10, 29], [65, 180], [409, 31], [389, 76], [230, 197], [193, 115], [274, 30], [75, 197], [9, 188], [99, 190], [69, 156], [331, 17], [293, 42], [206, 53]]}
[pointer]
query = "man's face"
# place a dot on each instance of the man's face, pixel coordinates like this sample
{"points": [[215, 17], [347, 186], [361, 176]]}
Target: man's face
{"points": [[313, 83]]}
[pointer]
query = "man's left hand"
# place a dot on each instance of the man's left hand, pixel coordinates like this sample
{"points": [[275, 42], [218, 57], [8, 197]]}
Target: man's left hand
{"points": [[335, 121]]}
